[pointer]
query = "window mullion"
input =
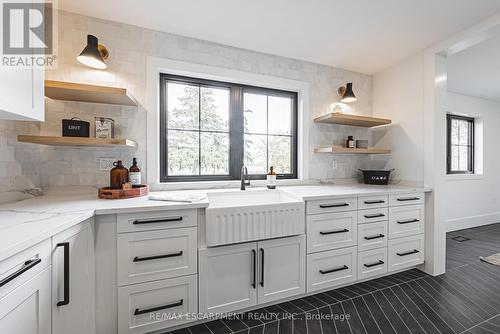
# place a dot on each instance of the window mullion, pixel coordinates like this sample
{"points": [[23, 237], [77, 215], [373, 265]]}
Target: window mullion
{"points": [[236, 130]]}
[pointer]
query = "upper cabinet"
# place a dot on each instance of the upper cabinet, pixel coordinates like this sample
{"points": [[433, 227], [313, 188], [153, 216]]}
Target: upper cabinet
{"points": [[21, 94]]}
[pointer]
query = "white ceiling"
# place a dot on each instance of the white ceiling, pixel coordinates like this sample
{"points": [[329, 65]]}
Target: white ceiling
{"points": [[476, 71], [361, 35]]}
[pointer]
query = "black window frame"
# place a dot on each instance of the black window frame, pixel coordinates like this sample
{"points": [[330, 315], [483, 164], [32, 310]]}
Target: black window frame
{"points": [[471, 144], [236, 129]]}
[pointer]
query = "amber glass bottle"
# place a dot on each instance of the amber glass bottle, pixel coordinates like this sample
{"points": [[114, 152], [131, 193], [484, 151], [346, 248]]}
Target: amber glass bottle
{"points": [[118, 175]]}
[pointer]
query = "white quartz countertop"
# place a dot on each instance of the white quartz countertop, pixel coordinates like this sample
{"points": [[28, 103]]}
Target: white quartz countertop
{"points": [[318, 192], [26, 223]]}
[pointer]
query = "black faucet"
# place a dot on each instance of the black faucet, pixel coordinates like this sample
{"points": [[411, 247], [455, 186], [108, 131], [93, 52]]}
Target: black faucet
{"points": [[245, 181]]}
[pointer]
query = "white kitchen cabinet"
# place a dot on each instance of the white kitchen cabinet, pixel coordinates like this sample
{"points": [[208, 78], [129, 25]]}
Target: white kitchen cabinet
{"points": [[21, 94], [239, 276], [229, 277], [281, 268], [26, 309], [73, 281]]}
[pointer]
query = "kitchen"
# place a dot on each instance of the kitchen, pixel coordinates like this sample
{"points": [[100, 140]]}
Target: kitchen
{"points": [[154, 182]]}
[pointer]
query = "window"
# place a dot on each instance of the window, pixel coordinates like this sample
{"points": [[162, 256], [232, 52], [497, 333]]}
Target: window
{"points": [[209, 129], [460, 144]]}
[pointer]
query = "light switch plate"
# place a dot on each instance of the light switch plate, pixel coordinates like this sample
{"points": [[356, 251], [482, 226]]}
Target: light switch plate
{"points": [[106, 163]]}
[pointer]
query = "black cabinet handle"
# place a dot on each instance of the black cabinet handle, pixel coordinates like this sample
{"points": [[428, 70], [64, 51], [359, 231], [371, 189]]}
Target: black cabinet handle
{"points": [[156, 257], [415, 251], [262, 267], [378, 215], [254, 279], [323, 272], [324, 206], [408, 199], [334, 232], [26, 266], [409, 221], [154, 221], [375, 237], [158, 308], [374, 202], [65, 246], [374, 264]]}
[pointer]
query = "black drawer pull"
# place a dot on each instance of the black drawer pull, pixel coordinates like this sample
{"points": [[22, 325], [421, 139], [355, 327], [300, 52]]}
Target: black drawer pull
{"points": [[374, 264], [156, 257], [158, 308], [409, 221], [415, 251], [334, 232], [154, 221], [323, 272], [65, 300], [374, 202], [262, 268], [378, 215], [408, 199], [339, 205], [26, 266], [375, 237]]}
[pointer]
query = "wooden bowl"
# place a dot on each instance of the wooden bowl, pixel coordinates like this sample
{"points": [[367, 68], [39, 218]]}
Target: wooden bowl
{"points": [[136, 191]]}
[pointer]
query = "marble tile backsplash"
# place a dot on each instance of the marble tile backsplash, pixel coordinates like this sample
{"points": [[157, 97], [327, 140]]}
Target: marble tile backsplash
{"points": [[129, 48]]}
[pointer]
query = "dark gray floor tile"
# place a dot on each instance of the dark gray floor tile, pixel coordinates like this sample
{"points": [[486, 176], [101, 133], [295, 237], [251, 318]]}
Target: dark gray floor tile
{"points": [[378, 315], [218, 327], [200, 329], [401, 310], [354, 320], [430, 313], [393, 316], [271, 328], [366, 316], [285, 326], [313, 322], [339, 319], [327, 321], [234, 325]]}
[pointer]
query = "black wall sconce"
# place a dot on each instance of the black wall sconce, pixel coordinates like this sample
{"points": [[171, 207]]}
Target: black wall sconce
{"points": [[94, 54], [346, 94]]}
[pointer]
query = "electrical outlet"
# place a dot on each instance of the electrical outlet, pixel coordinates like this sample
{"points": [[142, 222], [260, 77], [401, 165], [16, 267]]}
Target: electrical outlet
{"points": [[106, 163], [334, 164]]}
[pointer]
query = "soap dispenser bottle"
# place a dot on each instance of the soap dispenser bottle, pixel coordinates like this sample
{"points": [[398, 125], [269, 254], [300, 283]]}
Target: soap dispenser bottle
{"points": [[271, 178]]}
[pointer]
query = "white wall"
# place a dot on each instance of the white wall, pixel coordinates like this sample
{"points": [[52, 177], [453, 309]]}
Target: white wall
{"points": [[474, 200], [129, 47], [398, 95]]}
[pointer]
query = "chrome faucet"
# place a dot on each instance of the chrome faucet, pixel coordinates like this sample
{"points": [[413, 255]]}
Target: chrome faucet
{"points": [[245, 181]]}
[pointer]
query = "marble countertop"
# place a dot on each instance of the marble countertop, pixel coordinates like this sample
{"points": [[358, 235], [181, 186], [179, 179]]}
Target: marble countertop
{"points": [[25, 223]]}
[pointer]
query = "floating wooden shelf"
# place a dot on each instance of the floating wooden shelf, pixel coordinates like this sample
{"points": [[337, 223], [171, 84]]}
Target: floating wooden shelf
{"points": [[353, 120], [69, 91], [77, 141], [344, 150]]}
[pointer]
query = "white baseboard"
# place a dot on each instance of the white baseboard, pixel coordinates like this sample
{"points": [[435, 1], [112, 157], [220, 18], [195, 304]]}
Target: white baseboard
{"points": [[472, 221]]}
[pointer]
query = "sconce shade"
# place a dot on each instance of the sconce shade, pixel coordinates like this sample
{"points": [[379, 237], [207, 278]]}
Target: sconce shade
{"points": [[348, 95], [92, 54]]}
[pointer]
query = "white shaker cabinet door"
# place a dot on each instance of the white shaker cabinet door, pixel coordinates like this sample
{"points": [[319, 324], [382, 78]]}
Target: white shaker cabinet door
{"points": [[73, 281], [281, 268], [26, 309], [228, 278]]}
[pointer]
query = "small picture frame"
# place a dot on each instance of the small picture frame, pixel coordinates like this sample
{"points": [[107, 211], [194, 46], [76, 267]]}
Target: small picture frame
{"points": [[104, 128]]}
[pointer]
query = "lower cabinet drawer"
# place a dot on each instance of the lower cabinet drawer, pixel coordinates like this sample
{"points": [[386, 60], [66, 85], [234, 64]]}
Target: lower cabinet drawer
{"points": [[155, 220], [372, 235], [331, 231], [406, 220], [372, 263], [148, 256], [332, 268], [373, 215], [156, 305], [23, 266], [406, 252]]}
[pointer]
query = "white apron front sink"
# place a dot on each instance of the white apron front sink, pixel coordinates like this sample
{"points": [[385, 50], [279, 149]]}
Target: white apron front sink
{"points": [[234, 217]]}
